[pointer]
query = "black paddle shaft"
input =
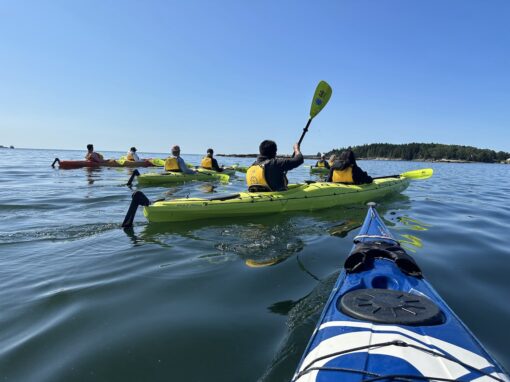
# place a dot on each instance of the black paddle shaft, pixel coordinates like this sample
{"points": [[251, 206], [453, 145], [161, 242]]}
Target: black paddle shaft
{"points": [[387, 176], [305, 130]]}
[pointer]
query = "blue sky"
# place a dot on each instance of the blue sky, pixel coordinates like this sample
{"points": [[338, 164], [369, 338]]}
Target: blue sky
{"points": [[228, 74]]}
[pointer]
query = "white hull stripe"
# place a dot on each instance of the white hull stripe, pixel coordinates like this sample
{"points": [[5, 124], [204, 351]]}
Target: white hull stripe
{"points": [[426, 365]]}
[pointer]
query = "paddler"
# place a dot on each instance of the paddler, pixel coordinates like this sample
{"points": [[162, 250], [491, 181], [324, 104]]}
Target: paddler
{"points": [[132, 156], [175, 163], [322, 162], [210, 163], [331, 160], [93, 156], [267, 173], [345, 170]]}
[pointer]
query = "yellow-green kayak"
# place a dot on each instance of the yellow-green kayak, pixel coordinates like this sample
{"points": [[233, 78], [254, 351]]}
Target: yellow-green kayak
{"points": [[299, 197]]}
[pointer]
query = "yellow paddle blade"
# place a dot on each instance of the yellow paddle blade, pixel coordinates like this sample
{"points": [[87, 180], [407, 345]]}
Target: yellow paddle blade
{"points": [[261, 263], [424, 173], [320, 98]]}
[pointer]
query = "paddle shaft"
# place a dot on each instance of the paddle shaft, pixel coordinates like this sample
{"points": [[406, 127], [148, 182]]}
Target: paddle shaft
{"points": [[387, 176], [305, 130]]}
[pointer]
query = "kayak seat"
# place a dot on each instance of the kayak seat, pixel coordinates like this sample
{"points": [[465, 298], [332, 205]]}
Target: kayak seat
{"points": [[258, 188]]}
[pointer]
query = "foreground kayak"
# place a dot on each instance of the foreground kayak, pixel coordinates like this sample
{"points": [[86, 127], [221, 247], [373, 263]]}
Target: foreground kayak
{"points": [[74, 164], [299, 197], [384, 322]]}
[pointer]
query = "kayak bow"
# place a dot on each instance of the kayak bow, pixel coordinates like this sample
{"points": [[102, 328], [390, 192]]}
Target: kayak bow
{"points": [[383, 321]]}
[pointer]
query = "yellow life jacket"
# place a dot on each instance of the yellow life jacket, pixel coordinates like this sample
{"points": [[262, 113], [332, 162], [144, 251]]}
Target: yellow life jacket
{"points": [[171, 164], [206, 163], [321, 163], [343, 176], [256, 178], [130, 157]]}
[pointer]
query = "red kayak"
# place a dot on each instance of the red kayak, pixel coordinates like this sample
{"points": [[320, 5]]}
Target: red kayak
{"points": [[72, 164]]}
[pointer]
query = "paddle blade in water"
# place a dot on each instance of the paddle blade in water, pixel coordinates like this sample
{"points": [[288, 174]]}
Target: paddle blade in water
{"points": [[320, 98], [424, 173]]}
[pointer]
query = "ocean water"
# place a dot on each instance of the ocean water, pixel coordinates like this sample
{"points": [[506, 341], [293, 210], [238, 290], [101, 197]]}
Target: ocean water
{"points": [[220, 299]]}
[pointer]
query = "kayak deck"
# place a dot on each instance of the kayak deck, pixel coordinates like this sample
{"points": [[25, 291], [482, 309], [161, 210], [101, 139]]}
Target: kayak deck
{"points": [[383, 321], [302, 197]]}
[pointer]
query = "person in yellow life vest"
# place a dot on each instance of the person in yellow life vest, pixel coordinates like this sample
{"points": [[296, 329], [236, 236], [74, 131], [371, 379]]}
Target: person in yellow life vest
{"points": [[93, 156], [210, 163], [175, 163], [331, 160], [132, 156], [322, 162], [345, 170], [267, 173]]}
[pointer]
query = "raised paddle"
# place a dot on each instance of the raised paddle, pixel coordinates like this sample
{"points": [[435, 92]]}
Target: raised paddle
{"points": [[320, 99]]}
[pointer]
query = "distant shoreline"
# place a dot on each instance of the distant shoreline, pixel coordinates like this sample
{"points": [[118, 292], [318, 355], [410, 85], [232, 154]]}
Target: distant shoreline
{"points": [[315, 157]]}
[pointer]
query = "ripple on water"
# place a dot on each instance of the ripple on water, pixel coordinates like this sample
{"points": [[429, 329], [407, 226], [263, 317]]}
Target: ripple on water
{"points": [[84, 300]]}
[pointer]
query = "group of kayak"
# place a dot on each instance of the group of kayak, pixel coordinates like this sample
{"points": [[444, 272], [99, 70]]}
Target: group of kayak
{"points": [[268, 190], [383, 321]]}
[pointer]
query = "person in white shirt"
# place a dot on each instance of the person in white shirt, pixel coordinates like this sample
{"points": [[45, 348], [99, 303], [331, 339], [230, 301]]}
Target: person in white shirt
{"points": [[132, 155]]}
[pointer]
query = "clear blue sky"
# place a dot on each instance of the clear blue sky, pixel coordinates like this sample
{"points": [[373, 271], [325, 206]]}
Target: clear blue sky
{"points": [[228, 74]]}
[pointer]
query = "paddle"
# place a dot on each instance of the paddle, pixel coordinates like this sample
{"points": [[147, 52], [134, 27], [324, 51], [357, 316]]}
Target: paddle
{"points": [[424, 173], [320, 99]]}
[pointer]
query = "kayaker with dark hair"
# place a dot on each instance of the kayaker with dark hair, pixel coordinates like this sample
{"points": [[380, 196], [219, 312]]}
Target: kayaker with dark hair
{"points": [[93, 156], [210, 163], [175, 163], [132, 156], [345, 170], [322, 162], [267, 173]]}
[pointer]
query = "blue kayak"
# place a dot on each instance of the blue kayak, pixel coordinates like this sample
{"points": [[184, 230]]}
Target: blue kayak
{"points": [[384, 322]]}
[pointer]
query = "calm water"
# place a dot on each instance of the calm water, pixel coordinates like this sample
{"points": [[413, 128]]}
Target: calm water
{"points": [[220, 300]]}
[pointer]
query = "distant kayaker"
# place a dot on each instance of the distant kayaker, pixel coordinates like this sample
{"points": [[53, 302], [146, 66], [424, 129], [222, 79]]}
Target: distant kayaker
{"points": [[345, 170], [322, 162], [267, 173], [175, 163], [93, 156], [210, 163], [132, 156]]}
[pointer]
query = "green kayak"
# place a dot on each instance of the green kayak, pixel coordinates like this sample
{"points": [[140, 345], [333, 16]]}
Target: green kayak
{"points": [[299, 197], [159, 179], [319, 170]]}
